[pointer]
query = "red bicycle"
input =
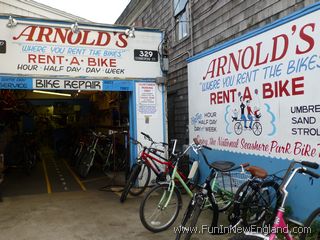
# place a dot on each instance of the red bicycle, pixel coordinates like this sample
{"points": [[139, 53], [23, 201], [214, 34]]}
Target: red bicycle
{"points": [[152, 159]]}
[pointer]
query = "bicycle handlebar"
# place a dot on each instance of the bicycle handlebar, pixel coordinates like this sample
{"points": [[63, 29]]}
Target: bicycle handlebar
{"points": [[291, 167], [310, 164], [98, 135], [310, 173], [147, 136]]}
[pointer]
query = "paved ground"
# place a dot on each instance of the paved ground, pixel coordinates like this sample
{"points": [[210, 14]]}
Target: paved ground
{"points": [[53, 203], [79, 215]]}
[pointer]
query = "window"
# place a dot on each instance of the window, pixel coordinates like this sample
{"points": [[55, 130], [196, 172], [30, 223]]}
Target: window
{"points": [[181, 17]]}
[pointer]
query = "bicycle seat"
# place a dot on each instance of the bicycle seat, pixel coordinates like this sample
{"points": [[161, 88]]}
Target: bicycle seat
{"points": [[222, 166], [257, 172]]}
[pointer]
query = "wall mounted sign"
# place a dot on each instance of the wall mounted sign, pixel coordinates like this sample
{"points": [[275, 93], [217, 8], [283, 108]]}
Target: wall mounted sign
{"points": [[260, 95], [53, 49]]}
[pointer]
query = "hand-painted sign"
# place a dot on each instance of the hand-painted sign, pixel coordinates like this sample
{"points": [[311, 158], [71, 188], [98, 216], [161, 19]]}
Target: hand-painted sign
{"points": [[260, 95], [56, 50]]}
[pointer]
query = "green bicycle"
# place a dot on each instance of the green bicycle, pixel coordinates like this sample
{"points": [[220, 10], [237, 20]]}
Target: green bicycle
{"points": [[161, 205]]}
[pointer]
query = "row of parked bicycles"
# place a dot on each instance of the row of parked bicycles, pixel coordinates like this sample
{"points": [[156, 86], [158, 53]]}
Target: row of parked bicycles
{"points": [[96, 148], [247, 195]]}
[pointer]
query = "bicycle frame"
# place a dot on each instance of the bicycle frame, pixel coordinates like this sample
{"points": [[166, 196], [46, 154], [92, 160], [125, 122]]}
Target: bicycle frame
{"points": [[176, 175], [280, 224], [149, 160]]}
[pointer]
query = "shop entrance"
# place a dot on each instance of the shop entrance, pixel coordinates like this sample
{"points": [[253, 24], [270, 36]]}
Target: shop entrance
{"points": [[64, 141]]}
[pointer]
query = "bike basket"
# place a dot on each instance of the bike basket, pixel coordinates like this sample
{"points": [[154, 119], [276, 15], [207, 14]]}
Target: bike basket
{"points": [[229, 181]]}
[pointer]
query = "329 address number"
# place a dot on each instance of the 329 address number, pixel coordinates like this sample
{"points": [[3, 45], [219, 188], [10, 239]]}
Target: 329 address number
{"points": [[145, 55]]}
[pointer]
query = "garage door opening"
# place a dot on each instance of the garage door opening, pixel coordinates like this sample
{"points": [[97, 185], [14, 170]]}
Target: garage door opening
{"points": [[70, 142]]}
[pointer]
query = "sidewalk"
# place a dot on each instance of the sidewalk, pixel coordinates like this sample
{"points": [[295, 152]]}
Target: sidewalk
{"points": [[89, 215]]}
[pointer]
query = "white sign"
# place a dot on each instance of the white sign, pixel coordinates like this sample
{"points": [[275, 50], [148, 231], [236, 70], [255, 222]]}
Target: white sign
{"points": [[54, 50], [261, 95], [67, 84], [147, 99]]}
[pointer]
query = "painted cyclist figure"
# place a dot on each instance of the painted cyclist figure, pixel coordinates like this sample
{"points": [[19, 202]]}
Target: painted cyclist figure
{"points": [[250, 113], [243, 116]]}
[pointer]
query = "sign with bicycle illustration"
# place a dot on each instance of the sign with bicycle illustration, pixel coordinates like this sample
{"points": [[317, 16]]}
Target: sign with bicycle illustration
{"points": [[259, 94]]}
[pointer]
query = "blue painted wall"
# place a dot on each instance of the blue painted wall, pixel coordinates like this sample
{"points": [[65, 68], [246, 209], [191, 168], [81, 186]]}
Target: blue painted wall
{"points": [[304, 196]]}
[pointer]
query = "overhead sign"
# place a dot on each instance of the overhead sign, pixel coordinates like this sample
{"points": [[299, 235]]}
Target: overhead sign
{"points": [[72, 84], [55, 50], [67, 84], [260, 95]]}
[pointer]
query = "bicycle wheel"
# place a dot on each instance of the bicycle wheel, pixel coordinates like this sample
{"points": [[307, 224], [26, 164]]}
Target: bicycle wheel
{"points": [[312, 227], [142, 180], [78, 159], [257, 128], [154, 215], [86, 164], [238, 128], [260, 203], [234, 216], [131, 181], [189, 220]]}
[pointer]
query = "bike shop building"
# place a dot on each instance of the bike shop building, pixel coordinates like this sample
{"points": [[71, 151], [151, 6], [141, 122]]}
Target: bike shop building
{"points": [[228, 56], [61, 75]]}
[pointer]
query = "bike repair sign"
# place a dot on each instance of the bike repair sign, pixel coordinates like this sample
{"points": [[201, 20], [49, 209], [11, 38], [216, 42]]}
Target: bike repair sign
{"points": [[259, 94], [47, 48]]}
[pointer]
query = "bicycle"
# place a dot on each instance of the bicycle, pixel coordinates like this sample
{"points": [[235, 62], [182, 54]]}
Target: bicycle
{"points": [[165, 198], [104, 151], [256, 200], [256, 127], [148, 161], [255, 193], [279, 223]]}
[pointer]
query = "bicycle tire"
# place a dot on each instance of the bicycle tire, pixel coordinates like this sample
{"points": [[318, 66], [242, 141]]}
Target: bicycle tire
{"points": [[86, 164], [131, 180], [136, 191], [191, 216], [234, 216], [79, 158], [257, 128], [75, 155], [245, 237], [313, 224], [238, 128], [257, 204], [156, 200]]}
